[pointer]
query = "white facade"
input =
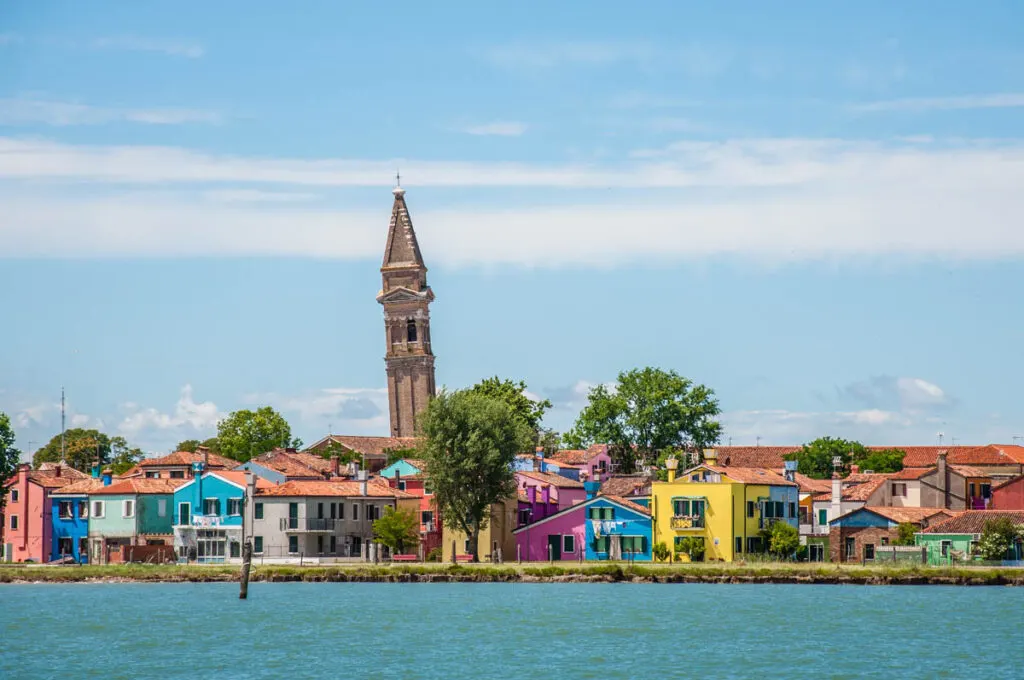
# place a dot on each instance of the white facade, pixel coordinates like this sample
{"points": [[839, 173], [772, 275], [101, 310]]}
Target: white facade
{"points": [[315, 527]]}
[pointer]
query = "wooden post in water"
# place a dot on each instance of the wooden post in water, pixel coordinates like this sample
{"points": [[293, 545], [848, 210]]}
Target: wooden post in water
{"points": [[243, 592]]}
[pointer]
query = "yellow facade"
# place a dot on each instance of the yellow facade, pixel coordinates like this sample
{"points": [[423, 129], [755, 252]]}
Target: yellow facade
{"points": [[497, 534], [725, 513]]}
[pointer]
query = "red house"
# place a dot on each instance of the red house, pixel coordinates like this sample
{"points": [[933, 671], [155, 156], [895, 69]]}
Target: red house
{"points": [[407, 475], [1009, 495], [28, 523]]}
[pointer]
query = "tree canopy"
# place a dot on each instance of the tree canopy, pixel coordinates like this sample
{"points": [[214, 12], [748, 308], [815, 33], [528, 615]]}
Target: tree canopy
{"points": [[123, 456], [997, 536], [9, 456], [783, 540], [81, 446], [245, 434], [191, 445], [815, 458], [514, 394], [469, 443], [647, 411], [399, 530]]}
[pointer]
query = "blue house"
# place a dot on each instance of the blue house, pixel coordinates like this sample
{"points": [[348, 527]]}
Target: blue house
{"points": [[406, 467], [70, 519], [208, 516]]}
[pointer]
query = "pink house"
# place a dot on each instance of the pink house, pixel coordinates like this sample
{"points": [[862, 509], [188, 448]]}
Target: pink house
{"points": [[593, 463], [27, 517], [542, 494]]}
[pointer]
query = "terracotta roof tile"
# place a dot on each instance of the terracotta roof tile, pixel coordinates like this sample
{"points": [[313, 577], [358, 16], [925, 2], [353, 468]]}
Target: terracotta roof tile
{"points": [[371, 446], [912, 515], [636, 507], [973, 521], [554, 480], [810, 485], [290, 465], [912, 473], [916, 456], [571, 456], [238, 477], [179, 458], [139, 485], [753, 475], [625, 485], [81, 486], [65, 470], [968, 471], [333, 488]]}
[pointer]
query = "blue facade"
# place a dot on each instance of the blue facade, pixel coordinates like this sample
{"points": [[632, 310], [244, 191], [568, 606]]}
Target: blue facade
{"points": [[71, 528], [402, 467], [789, 496], [634, 527], [209, 500], [554, 468], [862, 517]]}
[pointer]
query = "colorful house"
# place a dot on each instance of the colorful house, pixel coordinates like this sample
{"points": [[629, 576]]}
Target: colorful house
{"points": [[1009, 495], [70, 516], [600, 528], [594, 463], [858, 536], [405, 467], [726, 508], [28, 516], [562, 490], [373, 451], [209, 512], [954, 539], [416, 483], [179, 465], [635, 488], [496, 541], [132, 520]]}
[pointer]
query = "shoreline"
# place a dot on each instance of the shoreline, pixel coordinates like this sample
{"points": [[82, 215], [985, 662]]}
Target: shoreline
{"points": [[825, 574]]}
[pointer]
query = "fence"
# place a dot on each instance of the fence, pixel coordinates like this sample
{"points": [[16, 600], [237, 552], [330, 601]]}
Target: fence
{"points": [[900, 553]]}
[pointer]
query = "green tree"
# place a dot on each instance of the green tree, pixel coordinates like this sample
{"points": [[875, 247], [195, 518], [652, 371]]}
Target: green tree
{"points": [[692, 547], [123, 456], [549, 440], [905, 534], [9, 456], [81, 449], [647, 411], [997, 536], [395, 455], [783, 540], [815, 458], [886, 460], [213, 444], [399, 530], [246, 434], [660, 552], [189, 445], [514, 394], [469, 444]]}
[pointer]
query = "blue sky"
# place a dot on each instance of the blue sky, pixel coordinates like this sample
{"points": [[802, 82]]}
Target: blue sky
{"points": [[816, 210]]}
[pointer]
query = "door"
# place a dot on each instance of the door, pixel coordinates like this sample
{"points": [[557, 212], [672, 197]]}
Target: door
{"points": [[293, 515], [555, 546]]}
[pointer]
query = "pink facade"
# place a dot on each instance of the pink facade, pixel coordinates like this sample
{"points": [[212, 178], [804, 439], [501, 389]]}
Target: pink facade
{"points": [[1009, 495], [27, 520], [550, 487], [533, 540]]}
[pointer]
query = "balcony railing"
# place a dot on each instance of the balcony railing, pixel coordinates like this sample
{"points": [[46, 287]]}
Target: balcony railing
{"points": [[297, 524], [687, 522]]}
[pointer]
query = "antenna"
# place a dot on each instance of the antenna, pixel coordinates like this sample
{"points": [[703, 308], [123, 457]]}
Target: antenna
{"points": [[398, 179], [1015, 438], [758, 439], [940, 436], [62, 457]]}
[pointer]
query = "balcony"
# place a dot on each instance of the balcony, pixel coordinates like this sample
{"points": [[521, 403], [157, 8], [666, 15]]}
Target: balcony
{"points": [[680, 522], [307, 525]]}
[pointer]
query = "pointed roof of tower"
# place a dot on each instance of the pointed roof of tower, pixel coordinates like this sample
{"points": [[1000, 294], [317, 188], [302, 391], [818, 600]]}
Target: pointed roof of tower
{"points": [[402, 248]]}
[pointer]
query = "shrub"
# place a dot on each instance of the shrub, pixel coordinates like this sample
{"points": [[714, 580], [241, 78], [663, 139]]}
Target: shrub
{"points": [[660, 552], [434, 555]]}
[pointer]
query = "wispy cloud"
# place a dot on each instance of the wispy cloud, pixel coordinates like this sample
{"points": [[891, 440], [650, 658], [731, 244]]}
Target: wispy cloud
{"points": [[188, 417], [497, 128], [173, 48], [30, 111], [353, 410], [256, 196], [1004, 100]]}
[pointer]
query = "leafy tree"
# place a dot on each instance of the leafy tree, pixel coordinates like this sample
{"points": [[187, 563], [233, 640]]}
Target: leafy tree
{"points": [[82, 447], [399, 530], [997, 536], [189, 445], [692, 547], [124, 457], [514, 394], [213, 444], [395, 455], [647, 411], [245, 434], [549, 440], [815, 458], [9, 456], [470, 441], [887, 460], [660, 552], [783, 540], [905, 534]]}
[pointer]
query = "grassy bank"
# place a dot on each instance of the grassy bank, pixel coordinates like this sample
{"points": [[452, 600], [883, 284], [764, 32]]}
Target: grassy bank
{"points": [[585, 573]]}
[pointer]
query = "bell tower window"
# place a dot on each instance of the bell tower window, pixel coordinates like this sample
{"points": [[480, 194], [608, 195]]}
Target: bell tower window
{"points": [[410, 330]]}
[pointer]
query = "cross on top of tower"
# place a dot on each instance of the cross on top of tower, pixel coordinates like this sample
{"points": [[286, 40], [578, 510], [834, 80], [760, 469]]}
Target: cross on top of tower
{"points": [[398, 190]]}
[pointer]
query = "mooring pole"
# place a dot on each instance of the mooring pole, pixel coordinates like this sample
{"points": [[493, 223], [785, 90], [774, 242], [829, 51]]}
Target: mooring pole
{"points": [[243, 592]]}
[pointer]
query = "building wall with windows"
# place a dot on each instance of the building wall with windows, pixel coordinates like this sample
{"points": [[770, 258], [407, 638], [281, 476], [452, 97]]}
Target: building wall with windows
{"points": [[315, 526], [498, 534], [70, 517]]}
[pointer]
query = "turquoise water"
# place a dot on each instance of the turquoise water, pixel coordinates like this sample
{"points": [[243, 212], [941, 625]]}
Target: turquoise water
{"points": [[535, 631]]}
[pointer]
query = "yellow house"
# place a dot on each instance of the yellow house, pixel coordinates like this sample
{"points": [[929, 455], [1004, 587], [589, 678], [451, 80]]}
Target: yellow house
{"points": [[496, 535], [726, 507]]}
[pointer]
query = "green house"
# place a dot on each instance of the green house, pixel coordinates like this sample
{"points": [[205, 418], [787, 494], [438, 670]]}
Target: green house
{"points": [[132, 520], [954, 539]]}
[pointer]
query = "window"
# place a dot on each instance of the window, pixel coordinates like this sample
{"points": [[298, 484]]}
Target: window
{"points": [[211, 506], [14, 522], [152, 475], [753, 544], [161, 507], [401, 485], [257, 544], [334, 512], [803, 514], [320, 512], [986, 490], [750, 508], [235, 549], [234, 507], [83, 509], [899, 489], [739, 545], [792, 510], [177, 474], [945, 546], [355, 512], [184, 513], [334, 543], [341, 511], [568, 543], [410, 330], [65, 546], [851, 548], [428, 488], [293, 544], [83, 547], [869, 551], [823, 516], [816, 552], [633, 544], [128, 508], [971, 493], [14, 495], [466, 548], [293, 515], [320, 544], [97, 509], [65, 510], [885, 540], [427, 516], [259, 510], [524, 516], [601, 544]]}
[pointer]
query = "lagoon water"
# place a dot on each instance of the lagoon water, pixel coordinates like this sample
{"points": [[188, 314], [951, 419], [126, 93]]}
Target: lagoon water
{"points": [[561, 631]]}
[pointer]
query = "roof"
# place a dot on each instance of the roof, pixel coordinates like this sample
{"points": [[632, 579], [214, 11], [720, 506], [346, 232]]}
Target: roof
{"points": [[140, 485], [1008, 482], [811, 485], [187, 458], [65, 470], [49, 479], [901, 515], [968, 471], [577, 456], [553, 480], [858, 491], [912, 473], [622, 502], [417, 463], [916, 456], [374, 489], [753, 475], [402, 248], [754, 456], [237, 477], [624, 485], [625, 502], [81, 486], [371, 446], [293, 464], [973, 521]]}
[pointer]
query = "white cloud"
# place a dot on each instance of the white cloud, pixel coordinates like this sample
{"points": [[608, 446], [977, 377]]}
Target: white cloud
{"points": [[497, 128], [79, 420], [788, 199], [340, 410], [173, 48], [783, 427], [188, 414], [256, 196], [30, 110], [921, 104]]}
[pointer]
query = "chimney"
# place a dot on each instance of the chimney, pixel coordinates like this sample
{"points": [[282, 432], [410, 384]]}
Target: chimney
{"points": [[361, 476], [56, 470], [943, 481], [108, 477], [335, 468], [531, 493], [545, 494], [671, 464], [854, 469], [711, 456], [95, 471], [591, 488], [837, 496], [789, 471]]}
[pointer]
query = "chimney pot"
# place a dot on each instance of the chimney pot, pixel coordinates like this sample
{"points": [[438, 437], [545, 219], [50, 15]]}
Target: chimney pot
{"points": [[56, 470], [854, 469], [335, 469]]}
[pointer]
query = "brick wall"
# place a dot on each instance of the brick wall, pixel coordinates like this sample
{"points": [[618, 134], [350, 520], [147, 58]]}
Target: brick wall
{"points": [[861, 536]]}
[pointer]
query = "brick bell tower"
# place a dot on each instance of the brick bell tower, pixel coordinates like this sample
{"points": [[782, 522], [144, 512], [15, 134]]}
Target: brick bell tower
{"points": [[406, 298]]}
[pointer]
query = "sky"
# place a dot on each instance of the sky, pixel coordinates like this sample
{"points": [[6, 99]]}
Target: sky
{"points": [[814, 209]]}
